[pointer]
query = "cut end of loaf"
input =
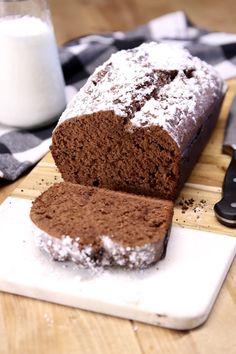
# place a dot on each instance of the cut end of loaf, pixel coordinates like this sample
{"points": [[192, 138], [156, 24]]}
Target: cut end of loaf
{"points": [[104, 150], [96, 227]]}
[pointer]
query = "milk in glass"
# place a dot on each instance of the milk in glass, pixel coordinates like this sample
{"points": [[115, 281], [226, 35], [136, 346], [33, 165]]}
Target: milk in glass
{"points": [[32, 90]]}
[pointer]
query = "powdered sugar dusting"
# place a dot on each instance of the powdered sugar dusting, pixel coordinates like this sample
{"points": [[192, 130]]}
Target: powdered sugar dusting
{"points": [[63, 249], [133, 257], [113, 254], [153, 84]]}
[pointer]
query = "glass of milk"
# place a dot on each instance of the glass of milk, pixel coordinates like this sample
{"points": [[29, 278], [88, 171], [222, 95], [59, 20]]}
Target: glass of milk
{"points": [[32, 88]]}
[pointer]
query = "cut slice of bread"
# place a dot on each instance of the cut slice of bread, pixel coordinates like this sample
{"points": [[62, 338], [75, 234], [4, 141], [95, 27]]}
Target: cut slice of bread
{"points": [[96, 227]]}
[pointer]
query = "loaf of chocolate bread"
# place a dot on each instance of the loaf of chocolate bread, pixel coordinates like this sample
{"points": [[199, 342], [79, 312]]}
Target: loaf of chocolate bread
{"points": [[140, 122], [95, 227]]}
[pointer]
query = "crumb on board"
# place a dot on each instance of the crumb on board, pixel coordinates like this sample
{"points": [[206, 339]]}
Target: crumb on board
{"points": [[190, 203]]}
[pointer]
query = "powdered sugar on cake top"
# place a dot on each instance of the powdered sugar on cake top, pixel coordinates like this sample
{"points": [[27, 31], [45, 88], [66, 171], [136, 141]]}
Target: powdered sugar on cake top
{"points": [[130, 83]]}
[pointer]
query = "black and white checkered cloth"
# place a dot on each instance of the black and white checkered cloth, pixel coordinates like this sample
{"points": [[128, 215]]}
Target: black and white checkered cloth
{"points": [[20, 149]]}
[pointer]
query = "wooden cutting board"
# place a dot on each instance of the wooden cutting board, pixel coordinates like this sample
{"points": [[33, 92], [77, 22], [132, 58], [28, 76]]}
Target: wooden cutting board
{"points": [[179, 294]]}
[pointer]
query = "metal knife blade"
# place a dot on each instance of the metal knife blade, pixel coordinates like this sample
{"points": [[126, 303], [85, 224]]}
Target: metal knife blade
{"points": [[225, 209]]}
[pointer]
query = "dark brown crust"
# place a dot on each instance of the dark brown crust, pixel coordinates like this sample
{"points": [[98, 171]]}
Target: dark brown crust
{"points": [[191, 154]]}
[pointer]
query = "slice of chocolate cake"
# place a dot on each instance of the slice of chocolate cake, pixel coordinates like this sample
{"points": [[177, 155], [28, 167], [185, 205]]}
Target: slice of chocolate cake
{"points": [[95, 227]]}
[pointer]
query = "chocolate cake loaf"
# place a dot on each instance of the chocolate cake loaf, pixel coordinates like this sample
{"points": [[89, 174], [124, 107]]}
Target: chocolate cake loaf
{"points": [[140, 122], [95, 227]]}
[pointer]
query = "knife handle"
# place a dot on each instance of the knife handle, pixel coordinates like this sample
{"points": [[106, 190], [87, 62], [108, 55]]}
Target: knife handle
{"points": [[225, 209]]}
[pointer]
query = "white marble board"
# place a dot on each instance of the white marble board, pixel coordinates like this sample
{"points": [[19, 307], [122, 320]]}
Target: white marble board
{"points": [[178, 292]]}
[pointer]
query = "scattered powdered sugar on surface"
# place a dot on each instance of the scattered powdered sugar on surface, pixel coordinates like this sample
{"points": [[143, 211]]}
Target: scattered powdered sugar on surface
{"points": [[129, 84], [114, 254], [49, 320]]}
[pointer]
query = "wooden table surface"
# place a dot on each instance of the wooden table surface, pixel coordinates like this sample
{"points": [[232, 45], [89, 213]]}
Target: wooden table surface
{"points": [[31, 326]]}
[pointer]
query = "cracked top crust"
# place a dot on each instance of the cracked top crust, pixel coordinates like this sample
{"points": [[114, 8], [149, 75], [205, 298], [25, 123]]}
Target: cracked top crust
{"points": [[153, 84]]}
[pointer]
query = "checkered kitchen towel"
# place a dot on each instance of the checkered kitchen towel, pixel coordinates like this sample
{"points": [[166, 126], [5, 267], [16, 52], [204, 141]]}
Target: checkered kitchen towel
{"points": [[20, 149]]}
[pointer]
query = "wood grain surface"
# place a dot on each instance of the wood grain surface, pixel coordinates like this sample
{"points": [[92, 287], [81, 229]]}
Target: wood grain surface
{"points": [[31, 326]]}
